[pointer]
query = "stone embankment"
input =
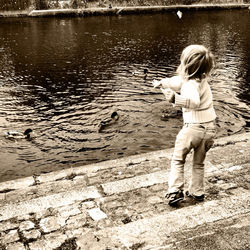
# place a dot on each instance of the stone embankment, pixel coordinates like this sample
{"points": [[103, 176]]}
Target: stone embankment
{"points": [[131, 10], [120, 204], [120, 10]]}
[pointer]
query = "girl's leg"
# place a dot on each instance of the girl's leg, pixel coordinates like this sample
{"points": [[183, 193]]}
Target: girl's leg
{"points": [[185, 141], [176, 175], [197, 180], [196, 187]]}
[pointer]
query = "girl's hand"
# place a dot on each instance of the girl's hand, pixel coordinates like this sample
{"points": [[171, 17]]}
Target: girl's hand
{"points": [[169, 94], [156, 83]]}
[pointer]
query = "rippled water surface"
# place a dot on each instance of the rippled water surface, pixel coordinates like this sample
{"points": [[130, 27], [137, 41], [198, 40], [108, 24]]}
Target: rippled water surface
{"points": [[62, 77]]}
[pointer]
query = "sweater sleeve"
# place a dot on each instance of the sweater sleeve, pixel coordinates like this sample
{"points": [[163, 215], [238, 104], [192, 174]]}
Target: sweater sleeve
{"points": [[173, 83], [189, 97]]}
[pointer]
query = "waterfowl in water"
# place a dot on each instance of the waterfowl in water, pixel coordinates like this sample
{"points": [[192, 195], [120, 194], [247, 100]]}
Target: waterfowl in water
{"points": [[108, 121], [19, 135], [171, 114], [144, 75]]}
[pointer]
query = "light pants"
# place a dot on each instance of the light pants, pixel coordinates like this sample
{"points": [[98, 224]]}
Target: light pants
{"points": [[197, 136]]}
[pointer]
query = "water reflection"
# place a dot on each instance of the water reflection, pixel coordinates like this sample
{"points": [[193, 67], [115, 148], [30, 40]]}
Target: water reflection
{"points": [[62, 77]]}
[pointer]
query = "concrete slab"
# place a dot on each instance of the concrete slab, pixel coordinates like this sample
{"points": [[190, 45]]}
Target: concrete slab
{"points": [[93, 168], [50, 201], [135, 182], [16, 184], [154, 231]]}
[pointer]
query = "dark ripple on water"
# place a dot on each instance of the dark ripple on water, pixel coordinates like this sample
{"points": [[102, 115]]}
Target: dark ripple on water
{"points": [[64, 97]]}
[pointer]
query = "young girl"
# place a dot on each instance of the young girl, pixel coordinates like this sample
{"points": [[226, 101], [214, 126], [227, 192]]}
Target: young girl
{"points": [[198, 131]]}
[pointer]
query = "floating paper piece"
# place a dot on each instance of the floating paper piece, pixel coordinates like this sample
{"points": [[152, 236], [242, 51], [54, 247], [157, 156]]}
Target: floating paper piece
{"points": [[97, 214], [179, 14]]}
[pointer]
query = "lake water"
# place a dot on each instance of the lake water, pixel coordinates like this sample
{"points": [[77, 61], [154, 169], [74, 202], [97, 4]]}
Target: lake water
{"points": [[63, 76]]}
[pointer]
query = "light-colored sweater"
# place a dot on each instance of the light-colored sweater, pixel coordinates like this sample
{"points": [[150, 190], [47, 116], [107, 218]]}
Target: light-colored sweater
{"points": [[195, 98]]}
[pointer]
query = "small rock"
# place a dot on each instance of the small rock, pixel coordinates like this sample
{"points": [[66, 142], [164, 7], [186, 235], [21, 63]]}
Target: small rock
{"points": [[220, 182], [51, 241], [26, 225], [51, 223], [154, 199], [227, 186], [234, 168], [75, 233], [76, 221], [97, 214], [88, 204], [55, 240], [23, 217], [32, 235], [39, 244], [15, 246], [10, 237], [2, 196], [90, 241], [7, 225], [69, 211], [126, 220]]}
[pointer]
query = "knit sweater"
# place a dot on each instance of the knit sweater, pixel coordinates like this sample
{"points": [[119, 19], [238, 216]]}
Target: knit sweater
{"points": [[195, 98]]}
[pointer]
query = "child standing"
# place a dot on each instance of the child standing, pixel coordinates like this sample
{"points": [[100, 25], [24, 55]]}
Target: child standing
{"points": [[199, 130]]}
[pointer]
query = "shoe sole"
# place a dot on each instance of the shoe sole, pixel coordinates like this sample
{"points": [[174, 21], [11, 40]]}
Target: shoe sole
{"points": [[194, 197], [172, 203]]}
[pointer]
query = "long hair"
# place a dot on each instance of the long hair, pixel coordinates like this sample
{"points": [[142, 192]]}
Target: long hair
{"points": [[196, 62]]}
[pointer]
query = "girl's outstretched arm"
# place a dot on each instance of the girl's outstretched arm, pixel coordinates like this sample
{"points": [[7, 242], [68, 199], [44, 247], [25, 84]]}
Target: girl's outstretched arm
{"points": [[173, 83]]}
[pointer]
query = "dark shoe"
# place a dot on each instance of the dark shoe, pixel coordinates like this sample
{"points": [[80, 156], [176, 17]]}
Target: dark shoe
{"points": [[196, 197], [174, 198]]}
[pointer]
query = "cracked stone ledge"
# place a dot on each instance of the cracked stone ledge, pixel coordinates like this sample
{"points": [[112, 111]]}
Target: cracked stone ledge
{"points": [[83, 171], [102, 211]]}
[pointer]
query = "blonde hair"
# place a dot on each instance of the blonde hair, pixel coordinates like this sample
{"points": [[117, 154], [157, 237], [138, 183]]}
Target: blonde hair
{"points": [[196, 62]]}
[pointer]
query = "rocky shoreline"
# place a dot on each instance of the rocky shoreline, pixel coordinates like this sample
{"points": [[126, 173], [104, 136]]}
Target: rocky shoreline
{"points": [[116, 10], [120, 204]]}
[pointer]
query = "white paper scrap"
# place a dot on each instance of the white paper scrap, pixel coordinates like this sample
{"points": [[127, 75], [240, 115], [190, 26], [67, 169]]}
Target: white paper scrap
{"points": [[97, 214], [179, 14]]}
